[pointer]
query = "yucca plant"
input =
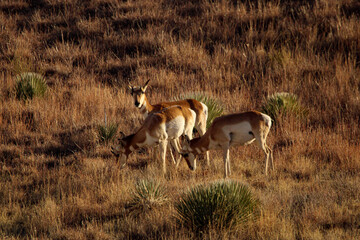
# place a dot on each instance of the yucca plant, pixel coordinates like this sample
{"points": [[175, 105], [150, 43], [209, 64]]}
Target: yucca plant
{"points": [[29, 85], [147, 195], [215, 109], [107, 132], [280, 104], [221, 205]]}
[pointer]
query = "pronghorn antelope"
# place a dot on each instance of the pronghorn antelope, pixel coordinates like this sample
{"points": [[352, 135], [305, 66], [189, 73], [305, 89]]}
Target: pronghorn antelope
{"points": [[230, 130], [200, 109], [158, 128]]}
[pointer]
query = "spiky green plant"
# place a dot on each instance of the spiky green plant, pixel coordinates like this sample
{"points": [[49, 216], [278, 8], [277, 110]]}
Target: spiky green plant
{"points": [[221, 205], [29, 85], [280, 104], [147, 195], [215, 108], [107, 132]]}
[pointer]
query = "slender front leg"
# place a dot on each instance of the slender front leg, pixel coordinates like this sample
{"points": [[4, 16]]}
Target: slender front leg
{"points": [[171, 153], [207, 159], [176, 145], [202, 129], [163, 146]]}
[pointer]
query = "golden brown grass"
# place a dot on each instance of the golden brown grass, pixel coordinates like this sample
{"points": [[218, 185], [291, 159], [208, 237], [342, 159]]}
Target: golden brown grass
{"points": [[57, 181]]}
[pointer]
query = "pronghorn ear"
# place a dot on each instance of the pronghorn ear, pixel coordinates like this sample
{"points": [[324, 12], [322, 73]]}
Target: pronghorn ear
{"points": [[143, 89], [122, 135], [184, 154], [122, 143], [130, 88], [187, 139], [114, 151]]}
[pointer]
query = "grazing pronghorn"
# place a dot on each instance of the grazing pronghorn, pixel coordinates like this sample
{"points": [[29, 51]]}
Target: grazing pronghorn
{"points": [[200, 109], [230, 130], [159, 128]]}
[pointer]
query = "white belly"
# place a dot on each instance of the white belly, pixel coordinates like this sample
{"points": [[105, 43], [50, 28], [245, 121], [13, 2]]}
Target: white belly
{"points": [[239, 134], [149, 141], [175, 127]]}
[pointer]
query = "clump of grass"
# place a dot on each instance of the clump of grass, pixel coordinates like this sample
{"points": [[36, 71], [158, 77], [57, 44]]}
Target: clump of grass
{"points": [[221, 205], [29, 85], [147, 195], [280, 104], [107, 132], [215, 108]]}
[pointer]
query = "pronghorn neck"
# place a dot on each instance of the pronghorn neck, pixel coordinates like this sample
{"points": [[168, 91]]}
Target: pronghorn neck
{"points": [[200, 144], [146, 106], [130, 143]]}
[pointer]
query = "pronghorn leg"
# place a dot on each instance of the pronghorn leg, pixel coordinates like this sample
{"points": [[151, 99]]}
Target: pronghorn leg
{"points": [[176, 145], [155, 152], [271, 157], [163, 146], [267, 153], [227, 171], [260, 139], [202, 129], [171, 153]]}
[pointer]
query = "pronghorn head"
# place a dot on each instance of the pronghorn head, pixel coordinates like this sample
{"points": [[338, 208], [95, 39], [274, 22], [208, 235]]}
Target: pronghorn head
{"points": [[188, 154], [121, 151], [139, 94]]}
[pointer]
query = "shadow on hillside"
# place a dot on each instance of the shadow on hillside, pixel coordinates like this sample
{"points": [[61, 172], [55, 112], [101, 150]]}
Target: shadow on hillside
{"points": [[69, 142]]}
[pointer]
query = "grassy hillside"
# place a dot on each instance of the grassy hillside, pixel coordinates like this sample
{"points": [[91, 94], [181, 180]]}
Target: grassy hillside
{"points": [[59, 181]]}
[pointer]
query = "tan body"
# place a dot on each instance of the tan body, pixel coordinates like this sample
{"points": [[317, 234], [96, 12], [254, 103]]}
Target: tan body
{"points": [[159, 128], [231, 130], [200, 109]]}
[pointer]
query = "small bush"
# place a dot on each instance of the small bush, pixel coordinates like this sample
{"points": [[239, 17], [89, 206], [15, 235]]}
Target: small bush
{"points": [[147, 195], [30, 85], [215, 109], [221, 205], [107, 132], [280, 104]]}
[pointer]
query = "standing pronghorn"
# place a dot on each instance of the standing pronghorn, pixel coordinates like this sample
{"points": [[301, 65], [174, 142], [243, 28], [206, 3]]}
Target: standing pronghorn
{"points": [[230, 130], [200, 109], [159, 128]]}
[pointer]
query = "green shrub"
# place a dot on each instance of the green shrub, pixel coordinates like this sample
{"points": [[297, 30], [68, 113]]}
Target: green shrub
{"points": [[29, 85], [107, 132], [220, 205], [280, 104], [147, 195], [215, 109]]}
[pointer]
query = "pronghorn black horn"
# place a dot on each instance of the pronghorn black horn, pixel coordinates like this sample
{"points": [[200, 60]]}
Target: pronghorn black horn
{"points": [[147, 83]]}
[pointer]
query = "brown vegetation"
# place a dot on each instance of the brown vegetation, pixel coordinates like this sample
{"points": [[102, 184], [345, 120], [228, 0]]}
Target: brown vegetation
{"points": [[57, 181]]}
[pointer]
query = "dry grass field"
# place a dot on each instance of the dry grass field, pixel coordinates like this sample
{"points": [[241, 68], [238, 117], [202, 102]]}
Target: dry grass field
{"points": [[59, 181]]}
